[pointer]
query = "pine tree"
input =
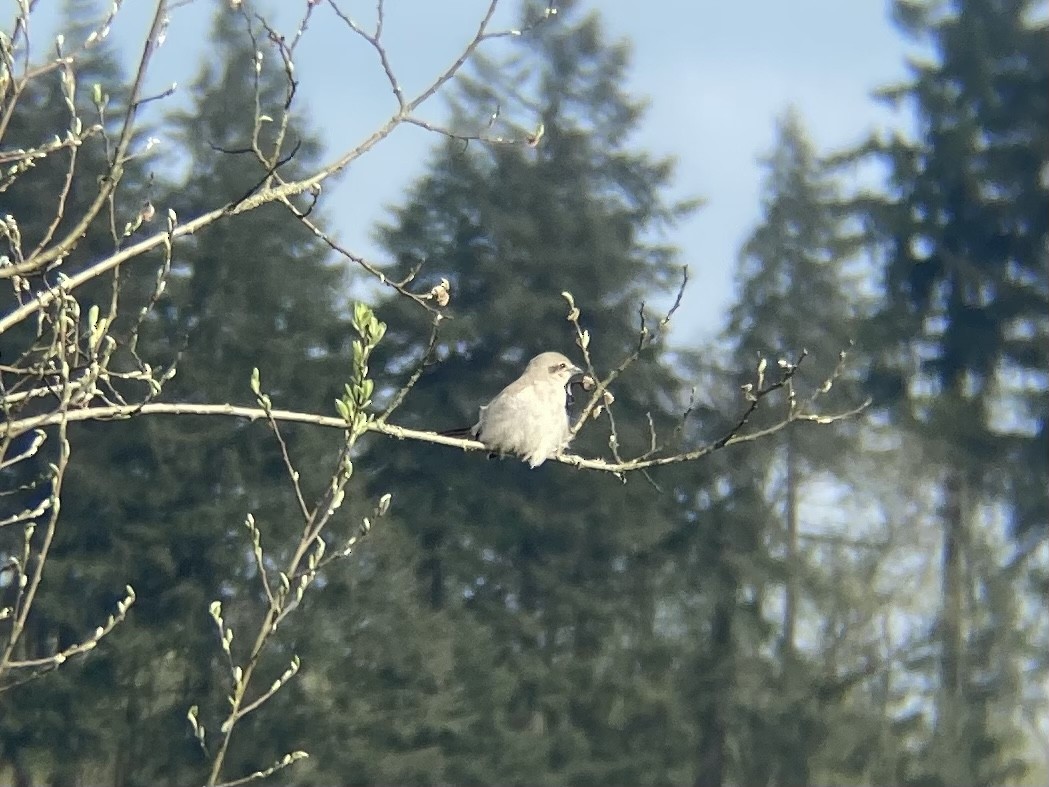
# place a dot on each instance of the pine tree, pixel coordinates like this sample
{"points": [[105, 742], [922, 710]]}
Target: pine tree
{"points": [[552, 573], [61, 705], [964, 231], [161, 503], [796, 293]]}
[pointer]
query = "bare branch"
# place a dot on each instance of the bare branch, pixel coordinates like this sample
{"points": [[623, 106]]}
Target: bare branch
{"points": [[374, 40], [399, 397], [116, 412], [280, 192], [108, 183]]}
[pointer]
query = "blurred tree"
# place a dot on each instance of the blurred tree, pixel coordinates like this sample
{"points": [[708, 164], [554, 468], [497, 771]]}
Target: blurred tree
{"points": [[161, 504], [965, 232], [36, 716], [549, 577], [964, 330], [798, 290]]}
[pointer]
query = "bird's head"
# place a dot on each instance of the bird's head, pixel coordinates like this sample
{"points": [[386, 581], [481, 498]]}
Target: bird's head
{"points": [[555, 366]]}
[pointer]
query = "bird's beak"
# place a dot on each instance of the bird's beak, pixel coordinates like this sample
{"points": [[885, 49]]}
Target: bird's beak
{"points": [[576, 376]]}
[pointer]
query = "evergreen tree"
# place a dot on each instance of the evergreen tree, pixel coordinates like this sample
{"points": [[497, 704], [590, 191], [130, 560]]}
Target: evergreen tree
{"points": [[549, 576], [965, 231], [725, 569], [967, 296], [797, 292], [60, 707], [160, 504]]}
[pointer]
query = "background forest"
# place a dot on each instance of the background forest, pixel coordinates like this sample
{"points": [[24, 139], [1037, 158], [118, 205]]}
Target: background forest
{"points": [[861, 601]]}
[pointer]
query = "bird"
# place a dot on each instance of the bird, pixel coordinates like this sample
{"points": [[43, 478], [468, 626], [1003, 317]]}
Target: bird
{"points": [[529, 417]]}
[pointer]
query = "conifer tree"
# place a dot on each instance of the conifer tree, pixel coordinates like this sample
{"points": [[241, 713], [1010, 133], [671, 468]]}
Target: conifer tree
{"points": [[61, 707], [549, 576], [964, 232], [161, 506], [796, 294]]}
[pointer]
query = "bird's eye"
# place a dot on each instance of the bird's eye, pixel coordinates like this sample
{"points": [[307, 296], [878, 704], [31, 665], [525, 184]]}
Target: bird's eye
{"points": [[562, 365]]}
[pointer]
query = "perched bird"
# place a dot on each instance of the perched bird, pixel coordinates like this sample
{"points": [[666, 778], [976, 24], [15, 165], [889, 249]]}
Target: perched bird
{"points": [[529, 417]]}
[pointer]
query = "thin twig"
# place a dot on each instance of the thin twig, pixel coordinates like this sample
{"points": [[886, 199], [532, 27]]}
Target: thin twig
{"points": [[112, 178], [399, 397]]}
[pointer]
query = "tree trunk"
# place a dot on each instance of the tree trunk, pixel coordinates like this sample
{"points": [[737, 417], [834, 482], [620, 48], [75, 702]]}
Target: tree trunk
{"points": [[954, 752], [710, 770], [431, 568], [951, 645], [790, 601]]}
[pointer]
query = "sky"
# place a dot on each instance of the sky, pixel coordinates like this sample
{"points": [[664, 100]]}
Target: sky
{"points": [[716, 75]]}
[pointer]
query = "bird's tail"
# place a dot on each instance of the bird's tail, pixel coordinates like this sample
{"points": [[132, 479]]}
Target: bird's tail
{"points": [[463, 432]]}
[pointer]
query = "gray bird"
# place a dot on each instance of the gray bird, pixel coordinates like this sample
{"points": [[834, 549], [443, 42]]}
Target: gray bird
{"points": [[529, 417]]}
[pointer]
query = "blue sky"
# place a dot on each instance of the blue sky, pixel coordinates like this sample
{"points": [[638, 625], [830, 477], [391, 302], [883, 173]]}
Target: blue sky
{"points": [[716, 75]]}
